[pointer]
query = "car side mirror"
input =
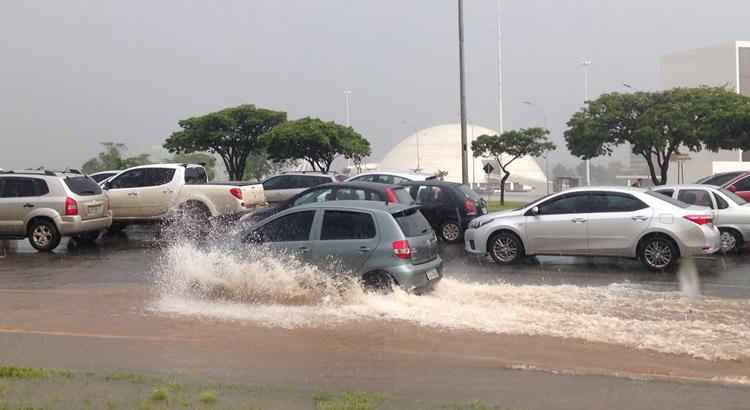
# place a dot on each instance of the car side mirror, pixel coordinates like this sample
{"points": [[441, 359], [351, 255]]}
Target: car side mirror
{"points": [[534, 211], [107, 186], [732, 188]]}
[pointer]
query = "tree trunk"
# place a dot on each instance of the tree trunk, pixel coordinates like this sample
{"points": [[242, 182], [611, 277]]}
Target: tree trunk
{"points": [[502, 187]]}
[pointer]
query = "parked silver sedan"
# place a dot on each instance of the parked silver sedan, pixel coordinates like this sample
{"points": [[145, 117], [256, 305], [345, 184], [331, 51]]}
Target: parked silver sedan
{"points": [[731, 212], [625, 222]]}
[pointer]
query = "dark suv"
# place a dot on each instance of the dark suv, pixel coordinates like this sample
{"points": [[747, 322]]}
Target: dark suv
{"points": [[280, 188], [448, 206]]}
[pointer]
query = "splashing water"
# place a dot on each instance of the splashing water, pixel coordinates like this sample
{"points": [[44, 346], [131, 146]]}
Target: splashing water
{"points": [[281, 292]]}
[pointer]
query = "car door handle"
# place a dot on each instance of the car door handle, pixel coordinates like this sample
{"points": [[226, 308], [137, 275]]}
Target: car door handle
{"points": [[303, 249], [640, 218], [578, 220], [133, 194], [364, 249], [28, 205], [167, 191]]}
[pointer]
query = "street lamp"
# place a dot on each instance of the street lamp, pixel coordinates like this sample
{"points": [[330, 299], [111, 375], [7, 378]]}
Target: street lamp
{"points": [[586, 64], [546, 163], [348, 97], [628, 86], [462, 95]]}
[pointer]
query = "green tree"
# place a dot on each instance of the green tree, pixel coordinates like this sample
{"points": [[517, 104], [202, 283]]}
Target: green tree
{"points": [[658, 125], [208, 161], [316, 142], [259, 166], [111, 158], [233, 134], [510, 146]]}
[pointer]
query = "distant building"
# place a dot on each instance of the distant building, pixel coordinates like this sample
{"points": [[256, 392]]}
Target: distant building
{"points": [[439, 149], [722, 65]]}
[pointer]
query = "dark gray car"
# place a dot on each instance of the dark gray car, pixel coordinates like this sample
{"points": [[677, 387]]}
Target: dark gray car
{"points": [[384, 244]]}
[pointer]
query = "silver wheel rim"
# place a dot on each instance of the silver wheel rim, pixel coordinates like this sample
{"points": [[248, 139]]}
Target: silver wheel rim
{"points": [[42, 235], [505, 249], [658, 254], [728, 242], [451, 232]]}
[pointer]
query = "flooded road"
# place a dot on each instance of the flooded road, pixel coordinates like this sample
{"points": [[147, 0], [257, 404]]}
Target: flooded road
{"points": [[130, 303]]}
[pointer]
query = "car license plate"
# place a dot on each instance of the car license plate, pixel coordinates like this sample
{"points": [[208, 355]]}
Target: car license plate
{"points": [[95, 210], [432, 274]]}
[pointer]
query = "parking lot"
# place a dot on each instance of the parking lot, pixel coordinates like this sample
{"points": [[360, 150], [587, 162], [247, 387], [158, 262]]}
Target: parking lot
{"points": [[115, 305]]}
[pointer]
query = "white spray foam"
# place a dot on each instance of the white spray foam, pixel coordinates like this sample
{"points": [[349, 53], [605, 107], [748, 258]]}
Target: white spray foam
{"points": [[279, 292]]}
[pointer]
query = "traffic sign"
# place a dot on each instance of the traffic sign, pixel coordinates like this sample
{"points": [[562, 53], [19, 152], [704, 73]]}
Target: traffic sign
{"points": [[488, 168]]}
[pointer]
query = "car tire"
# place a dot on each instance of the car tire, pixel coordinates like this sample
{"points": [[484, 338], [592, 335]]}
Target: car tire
{"points": [[87, 237], [195, 214], [116, 228], [731, 241], [377, 282], [43, 235], [658, 253], [451, 232], [505, 248]]}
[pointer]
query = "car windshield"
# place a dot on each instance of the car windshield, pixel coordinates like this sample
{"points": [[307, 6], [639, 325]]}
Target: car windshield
{"points": [[413, 223], [83, 186], [719, 179], [469, 193], [668, 199], [734, 197]]}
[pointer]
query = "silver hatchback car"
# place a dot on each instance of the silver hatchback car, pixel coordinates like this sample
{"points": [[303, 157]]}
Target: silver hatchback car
{"points": [[384, 244], [44, 206], [731, 211], [625, 222]]}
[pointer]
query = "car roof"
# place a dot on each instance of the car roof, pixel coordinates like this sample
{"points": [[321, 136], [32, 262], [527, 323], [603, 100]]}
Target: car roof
{"points": [[405, 174], [358, 205], [433, 182], [621, 189], [314, 174], [687, 186], [165, 165], [359, 184], [41, 173]]}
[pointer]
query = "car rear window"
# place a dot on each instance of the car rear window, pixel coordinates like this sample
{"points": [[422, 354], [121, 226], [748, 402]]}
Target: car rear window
{"points": [[83, 186], [734, 197], [412, 223], [403, 196], [469, 192], [720, 179], [668, 199]]}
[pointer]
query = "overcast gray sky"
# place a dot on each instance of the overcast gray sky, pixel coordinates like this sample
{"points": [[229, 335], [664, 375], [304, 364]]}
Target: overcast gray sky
{"points": [[74, 73]]}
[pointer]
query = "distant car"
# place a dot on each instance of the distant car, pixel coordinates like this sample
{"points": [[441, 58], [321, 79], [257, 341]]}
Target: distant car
{"points": [[732, 212], [625, 222], [340, 191], [282, 187], [44, 206], [449, 206], [153, 193], [736, 181], [382, 244], [391, 177], [101, 176]]}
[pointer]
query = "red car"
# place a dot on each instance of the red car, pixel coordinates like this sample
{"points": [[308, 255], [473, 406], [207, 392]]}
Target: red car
{"points": [[736, 181]]}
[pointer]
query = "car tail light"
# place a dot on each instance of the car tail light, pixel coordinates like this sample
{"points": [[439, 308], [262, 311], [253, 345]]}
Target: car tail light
{"points": [[470, 207], [402, 250], [390, 195], [71, 207], [236, 192], [700, 219]]}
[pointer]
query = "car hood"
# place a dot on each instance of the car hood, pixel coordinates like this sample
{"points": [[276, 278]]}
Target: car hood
{"points": [[501, 214]]}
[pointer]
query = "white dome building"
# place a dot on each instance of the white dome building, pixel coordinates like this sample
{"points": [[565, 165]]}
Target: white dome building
{"points": [[439, 148]]}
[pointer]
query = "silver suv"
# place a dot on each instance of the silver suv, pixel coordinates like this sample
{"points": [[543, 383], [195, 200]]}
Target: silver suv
{"points": [[44, 206], [383, 244], [282, 187]]}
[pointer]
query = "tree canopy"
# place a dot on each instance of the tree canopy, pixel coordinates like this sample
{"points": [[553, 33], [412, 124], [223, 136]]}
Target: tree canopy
{"points": [[658, 125], [233, 134], [317, 142], [111, 159], [510, 146]]}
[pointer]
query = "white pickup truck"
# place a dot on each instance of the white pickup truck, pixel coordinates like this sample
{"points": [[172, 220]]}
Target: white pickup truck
{"points": [[150, 193]]}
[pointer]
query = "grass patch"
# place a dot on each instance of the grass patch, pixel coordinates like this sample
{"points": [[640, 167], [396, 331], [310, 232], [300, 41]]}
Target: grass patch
{"points": [[495, 206], [208, 397], [470, 405], [126, 377], [27, 373], [159, 394], [347, 401]]}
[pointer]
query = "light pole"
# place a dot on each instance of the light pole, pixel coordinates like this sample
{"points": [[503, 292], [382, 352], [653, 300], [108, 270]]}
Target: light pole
{"points": [[348, 98], [546, 163], [499, 70], [586, 64], [462, 87]]}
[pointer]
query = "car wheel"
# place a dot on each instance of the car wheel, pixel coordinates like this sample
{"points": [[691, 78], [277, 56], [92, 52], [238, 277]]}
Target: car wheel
{"points": [[505, 248], [377, 282], [731, 241], [658, 253], [450, 232], [87, 237], [43, 235]]}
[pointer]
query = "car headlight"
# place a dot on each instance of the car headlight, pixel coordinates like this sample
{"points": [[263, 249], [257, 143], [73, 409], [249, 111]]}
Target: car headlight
{"points": [[476, 224]]}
